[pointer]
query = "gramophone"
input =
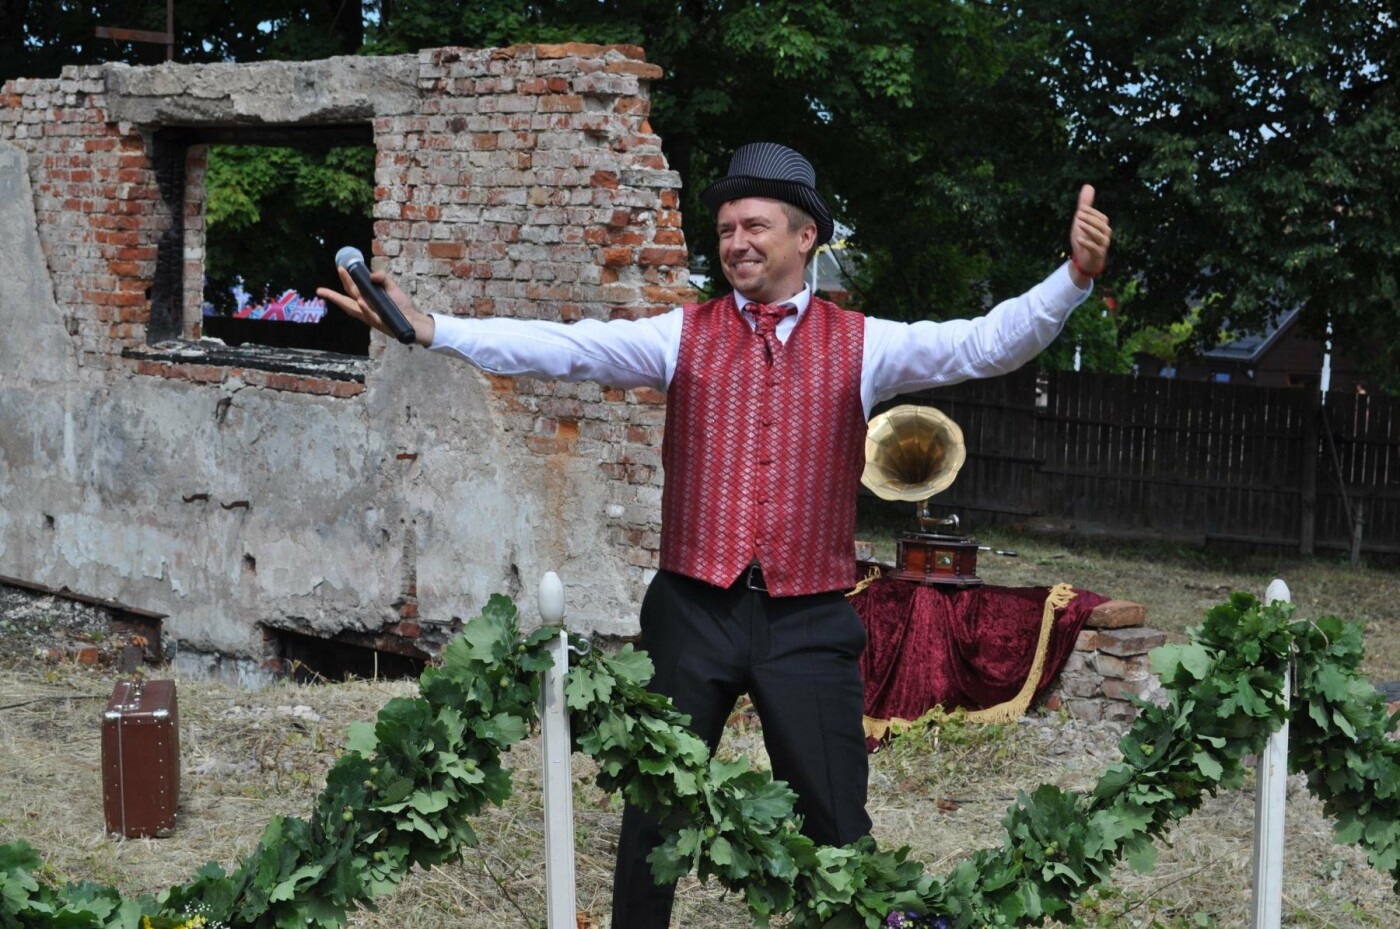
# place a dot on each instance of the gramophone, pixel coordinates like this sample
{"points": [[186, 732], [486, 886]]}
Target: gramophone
{"points": [[911, 453]]}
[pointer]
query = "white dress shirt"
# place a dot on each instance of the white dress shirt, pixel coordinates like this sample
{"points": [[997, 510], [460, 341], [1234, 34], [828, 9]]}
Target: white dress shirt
{"points": [[898, 357]]}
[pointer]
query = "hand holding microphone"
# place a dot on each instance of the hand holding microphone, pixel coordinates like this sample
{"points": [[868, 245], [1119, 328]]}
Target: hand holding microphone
{"points": [[375, 305]]}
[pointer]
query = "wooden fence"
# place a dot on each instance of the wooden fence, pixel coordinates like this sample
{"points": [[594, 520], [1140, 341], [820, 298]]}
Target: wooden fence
{"points": [[1183, 459]]}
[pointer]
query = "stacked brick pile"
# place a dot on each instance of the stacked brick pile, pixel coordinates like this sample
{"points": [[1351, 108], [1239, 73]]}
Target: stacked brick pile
{"points": [[1109, 665]]}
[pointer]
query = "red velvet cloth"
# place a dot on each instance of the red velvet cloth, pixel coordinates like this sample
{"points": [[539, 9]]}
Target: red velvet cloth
{"points": [[931, 645]]}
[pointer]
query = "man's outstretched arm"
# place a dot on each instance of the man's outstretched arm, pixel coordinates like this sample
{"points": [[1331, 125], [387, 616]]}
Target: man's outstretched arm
{"points": [[621, 353], [905, 357]]}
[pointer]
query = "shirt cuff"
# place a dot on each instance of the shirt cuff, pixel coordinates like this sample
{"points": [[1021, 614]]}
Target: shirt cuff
{"points": [[1069, 288], [437, 343]]}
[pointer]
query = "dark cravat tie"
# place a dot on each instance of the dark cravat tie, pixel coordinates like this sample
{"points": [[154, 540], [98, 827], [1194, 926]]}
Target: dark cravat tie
{"points": [[766, 324]]}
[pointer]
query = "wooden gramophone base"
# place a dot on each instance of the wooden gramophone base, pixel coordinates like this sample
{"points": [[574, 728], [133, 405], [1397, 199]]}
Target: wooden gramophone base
{"points": [[930, 558]]}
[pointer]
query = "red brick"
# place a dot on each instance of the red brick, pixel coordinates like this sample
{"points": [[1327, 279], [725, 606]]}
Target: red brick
{"points": [[642, 69], [616, 257], [501, 385], [606, 179], [542, 445], [584, 50], [663, 256], [86, 655], [1117, 614], [561, 103], [567, 434], [669, 296], [632, 106], [451, 250]]}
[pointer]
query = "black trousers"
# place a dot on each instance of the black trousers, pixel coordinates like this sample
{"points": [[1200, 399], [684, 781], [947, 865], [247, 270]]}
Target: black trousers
{"points": [[798, 659]]}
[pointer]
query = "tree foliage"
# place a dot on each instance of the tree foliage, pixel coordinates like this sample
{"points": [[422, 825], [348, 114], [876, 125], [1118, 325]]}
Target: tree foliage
{"points": [[1247, 154], [39, 37], [276, 217]]}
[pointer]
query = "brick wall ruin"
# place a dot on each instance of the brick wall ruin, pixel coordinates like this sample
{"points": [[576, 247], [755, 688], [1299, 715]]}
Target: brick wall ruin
{"points": [[240, 489]]}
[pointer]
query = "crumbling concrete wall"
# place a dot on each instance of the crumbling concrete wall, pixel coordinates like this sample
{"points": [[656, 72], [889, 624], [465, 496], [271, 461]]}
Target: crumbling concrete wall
{"points": [[231, 489]]}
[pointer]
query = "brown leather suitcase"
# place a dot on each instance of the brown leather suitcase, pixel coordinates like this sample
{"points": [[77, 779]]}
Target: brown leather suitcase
{"points": [[141, 759]]}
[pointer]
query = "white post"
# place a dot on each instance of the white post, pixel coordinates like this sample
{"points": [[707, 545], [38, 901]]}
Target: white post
{"points": [[558, 782], [1269, 801]]}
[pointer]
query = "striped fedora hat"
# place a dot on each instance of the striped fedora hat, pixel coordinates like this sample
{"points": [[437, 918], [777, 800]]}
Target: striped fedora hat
{"points": [[767, 169]]}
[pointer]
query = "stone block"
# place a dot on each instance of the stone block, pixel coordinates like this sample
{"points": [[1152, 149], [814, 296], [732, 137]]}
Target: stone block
{"points": [[1128, 669], [1117, 689], [1119, 711], [1081, 685], [1127, 642], [1091, 710], [1075, 663]]}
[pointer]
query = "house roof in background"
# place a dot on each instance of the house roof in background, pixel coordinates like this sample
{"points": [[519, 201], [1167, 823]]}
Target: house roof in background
{"points": [[1249, 348]]}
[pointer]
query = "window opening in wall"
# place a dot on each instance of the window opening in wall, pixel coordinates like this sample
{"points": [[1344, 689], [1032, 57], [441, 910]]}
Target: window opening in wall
{"points": [[308, 658], [274, 217]]}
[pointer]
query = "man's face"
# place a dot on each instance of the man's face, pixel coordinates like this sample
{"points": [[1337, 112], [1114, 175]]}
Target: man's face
{"points": [[762, 257]]}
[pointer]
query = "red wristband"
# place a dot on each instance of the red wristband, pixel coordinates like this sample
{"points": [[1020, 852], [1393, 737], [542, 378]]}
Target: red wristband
{"points": [[1080, 268]]}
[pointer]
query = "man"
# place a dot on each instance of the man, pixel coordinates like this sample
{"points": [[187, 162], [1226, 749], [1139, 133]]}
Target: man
{"points": [[768, 392]]}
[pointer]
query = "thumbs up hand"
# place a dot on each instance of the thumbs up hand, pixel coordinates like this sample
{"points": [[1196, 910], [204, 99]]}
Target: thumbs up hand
{"points": [[1089, 236]]}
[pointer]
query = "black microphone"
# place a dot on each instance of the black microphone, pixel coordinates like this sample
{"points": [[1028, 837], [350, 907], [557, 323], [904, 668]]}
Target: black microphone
{"points": [[353, 261]]}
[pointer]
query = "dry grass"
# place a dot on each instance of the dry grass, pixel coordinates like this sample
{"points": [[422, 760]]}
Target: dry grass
{"points": [[942, 793]]}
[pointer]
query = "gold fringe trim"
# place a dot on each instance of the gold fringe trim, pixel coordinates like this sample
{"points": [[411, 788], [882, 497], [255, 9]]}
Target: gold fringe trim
{"points": [[1059, 597], [873, 575]]}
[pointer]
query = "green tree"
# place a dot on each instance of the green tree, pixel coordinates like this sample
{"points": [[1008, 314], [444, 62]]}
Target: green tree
{"points": [[925, 121], [1247, 154], [276, 217], [39, 37]]}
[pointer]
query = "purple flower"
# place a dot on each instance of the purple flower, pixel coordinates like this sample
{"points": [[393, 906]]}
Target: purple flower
{"points": [[910, 920]]}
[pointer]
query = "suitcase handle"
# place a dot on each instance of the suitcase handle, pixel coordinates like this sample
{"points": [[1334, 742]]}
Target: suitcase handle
{"points": [[134, 698]]}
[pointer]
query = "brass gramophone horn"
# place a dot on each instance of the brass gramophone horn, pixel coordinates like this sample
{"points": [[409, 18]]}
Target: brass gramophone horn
{"points": [[911, 453]]}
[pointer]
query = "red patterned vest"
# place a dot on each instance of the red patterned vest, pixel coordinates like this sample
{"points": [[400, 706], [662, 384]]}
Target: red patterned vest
{"points": [[764, 463]]}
